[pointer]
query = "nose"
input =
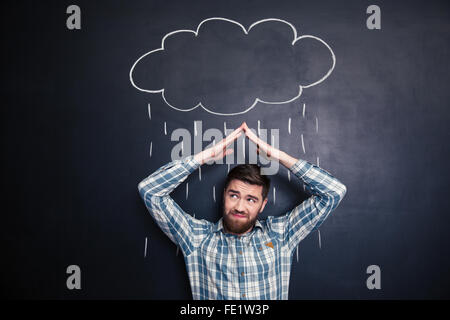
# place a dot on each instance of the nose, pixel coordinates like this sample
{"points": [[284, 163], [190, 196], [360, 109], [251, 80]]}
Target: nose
{"points": [[239, 206]]}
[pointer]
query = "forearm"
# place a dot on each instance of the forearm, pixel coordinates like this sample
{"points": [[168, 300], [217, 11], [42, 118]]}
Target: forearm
{"points": [[328, 190], [286, 160]]}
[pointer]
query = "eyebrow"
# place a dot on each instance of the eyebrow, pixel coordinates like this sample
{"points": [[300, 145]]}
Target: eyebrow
{"points": [[235, 191]]}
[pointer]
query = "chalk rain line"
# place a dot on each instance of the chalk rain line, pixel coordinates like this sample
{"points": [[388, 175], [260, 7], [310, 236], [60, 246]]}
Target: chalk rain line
{"points": [[145, 248], [274, 195], [165, 128], [187, 189], [303, 144], [151, 147], [320, 240], [149, 112]]}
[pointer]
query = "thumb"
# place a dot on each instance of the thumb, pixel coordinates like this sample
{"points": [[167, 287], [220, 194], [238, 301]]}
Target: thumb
{"points": [[228, 151], [222, 154]]}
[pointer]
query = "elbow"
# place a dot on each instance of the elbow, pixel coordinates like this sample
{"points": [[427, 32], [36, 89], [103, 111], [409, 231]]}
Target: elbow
{"points": [[142, 189], [340, 193], [141, 185], [343, 191]]}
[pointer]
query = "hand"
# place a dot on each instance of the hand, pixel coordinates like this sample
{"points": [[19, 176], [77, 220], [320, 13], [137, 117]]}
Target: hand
{"points": [[219, 150], [263, 148], [268, 151]]}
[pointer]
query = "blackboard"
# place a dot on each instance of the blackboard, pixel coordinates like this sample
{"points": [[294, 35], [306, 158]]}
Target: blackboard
{"points": [[77, 134]]}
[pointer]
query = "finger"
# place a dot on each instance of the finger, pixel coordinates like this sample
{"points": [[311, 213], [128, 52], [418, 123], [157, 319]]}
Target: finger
{"points": [[266, 155], [235, 133], [251, 134], [222, 154], [228, 140], [229, 151], [223, 145], [240, 128], [253, 137], [231, 138]]}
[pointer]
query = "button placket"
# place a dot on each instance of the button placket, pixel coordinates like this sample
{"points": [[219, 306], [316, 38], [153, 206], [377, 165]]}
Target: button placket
{"points": [[241, 266]]}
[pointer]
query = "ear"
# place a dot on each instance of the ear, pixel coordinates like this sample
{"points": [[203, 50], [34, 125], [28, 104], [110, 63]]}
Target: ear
{"points": [[263, 205]]}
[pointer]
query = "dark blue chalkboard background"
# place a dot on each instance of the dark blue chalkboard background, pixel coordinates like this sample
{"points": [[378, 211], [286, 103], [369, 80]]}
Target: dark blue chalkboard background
{"points": [[76, 137]]}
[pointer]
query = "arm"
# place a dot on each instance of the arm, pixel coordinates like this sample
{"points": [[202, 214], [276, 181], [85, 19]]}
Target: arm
{"points": [[327, 192], [179, 226]]}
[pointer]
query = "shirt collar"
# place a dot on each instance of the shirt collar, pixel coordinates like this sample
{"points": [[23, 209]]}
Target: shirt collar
{"points": [[218, 226]]}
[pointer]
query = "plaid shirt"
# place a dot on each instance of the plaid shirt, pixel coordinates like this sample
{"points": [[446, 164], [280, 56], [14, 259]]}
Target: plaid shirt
{"points": [[256, 265]]}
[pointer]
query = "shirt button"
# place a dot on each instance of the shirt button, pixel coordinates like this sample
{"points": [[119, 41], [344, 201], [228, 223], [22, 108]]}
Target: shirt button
{"points": [[242, 273], [243, 295], [260, 248], [240, 252]]}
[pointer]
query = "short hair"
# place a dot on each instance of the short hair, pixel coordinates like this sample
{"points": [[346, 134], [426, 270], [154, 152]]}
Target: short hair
{"points": [[249, 173]]}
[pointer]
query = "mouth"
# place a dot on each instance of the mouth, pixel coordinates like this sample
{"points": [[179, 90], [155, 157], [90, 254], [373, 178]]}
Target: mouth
{"points": [[237, 215]]}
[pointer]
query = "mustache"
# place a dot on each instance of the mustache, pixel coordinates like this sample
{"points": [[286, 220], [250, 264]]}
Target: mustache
{"points": [[239, 213]]}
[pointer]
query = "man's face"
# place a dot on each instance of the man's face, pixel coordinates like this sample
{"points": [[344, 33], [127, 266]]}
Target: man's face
{"points": [[241, 206]]}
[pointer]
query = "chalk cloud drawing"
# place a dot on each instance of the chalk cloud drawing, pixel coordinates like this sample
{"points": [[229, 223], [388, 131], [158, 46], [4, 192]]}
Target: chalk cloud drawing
{"points": [[196, 36]]}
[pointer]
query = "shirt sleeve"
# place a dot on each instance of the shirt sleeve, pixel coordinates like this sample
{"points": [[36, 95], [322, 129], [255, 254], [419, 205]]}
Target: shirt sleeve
{"points": [[183, 229], [326, 194]]}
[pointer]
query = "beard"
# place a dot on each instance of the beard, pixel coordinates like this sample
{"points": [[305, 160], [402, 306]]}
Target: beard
{"points": [[237, 225]]}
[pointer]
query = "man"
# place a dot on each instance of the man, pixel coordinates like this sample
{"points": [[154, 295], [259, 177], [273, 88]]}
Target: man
{"points": [[240, 257]]}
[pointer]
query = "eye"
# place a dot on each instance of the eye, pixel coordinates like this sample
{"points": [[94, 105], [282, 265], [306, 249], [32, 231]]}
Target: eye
{"points": [[233, 195], [251, 199]]}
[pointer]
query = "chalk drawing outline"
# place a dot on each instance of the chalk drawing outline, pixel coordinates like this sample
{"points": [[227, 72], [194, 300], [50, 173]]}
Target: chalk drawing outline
{"points": [[246, 32]]}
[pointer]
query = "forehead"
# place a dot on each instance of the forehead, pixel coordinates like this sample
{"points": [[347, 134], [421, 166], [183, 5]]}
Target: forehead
{"points": [[245, 188]]}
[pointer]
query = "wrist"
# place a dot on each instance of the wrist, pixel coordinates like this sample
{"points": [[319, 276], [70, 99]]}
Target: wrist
{"points": [[287, 160], [199, 157]]}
